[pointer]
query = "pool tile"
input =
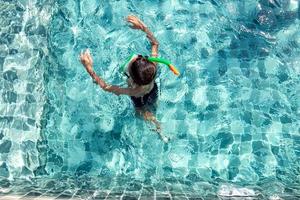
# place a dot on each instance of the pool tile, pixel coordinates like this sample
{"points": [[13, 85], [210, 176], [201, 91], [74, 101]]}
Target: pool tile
{"points": [[10, 197]]}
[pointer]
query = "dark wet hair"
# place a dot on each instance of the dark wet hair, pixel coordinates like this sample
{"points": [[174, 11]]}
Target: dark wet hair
{"points": [[142, 71]]}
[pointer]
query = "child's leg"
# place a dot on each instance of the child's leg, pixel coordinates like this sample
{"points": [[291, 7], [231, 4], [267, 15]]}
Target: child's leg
{"points": [[148, 116]]}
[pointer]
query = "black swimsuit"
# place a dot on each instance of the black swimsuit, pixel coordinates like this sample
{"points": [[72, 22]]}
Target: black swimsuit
{"points": [[148, 99]]}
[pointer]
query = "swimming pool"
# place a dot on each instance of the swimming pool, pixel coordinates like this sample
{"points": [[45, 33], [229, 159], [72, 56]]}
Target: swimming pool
{"points": [[233, 115]]}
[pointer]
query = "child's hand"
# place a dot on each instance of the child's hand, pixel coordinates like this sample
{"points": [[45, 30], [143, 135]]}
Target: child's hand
{"points": [[136, 22], [86, 59]]}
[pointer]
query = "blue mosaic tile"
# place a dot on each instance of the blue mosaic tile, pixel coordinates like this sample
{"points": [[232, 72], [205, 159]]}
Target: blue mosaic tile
{"points": [[5, 146], [4, 172]]}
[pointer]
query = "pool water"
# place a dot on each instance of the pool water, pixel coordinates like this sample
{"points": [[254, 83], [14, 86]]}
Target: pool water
{"points": [[233, 115]]}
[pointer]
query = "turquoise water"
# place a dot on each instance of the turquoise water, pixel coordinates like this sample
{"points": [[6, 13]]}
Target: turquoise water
{"points": [[233, 115]]}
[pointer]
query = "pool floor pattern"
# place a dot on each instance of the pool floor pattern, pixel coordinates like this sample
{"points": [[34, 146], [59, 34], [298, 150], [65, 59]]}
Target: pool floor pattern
{"points": [[147, 192], [264, 123], [50, 189]]}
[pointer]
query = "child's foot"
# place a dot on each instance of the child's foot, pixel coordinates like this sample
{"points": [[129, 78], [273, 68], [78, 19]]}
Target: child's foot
{"points": [[165, 139]]}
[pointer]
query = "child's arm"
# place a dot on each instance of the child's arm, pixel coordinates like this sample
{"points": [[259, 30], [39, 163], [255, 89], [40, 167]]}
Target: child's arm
{"points": [[87, 61], [138, 24]]}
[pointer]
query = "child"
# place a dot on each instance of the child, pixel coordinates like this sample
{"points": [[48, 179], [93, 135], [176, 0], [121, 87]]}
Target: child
{"points": [[141, 77]]}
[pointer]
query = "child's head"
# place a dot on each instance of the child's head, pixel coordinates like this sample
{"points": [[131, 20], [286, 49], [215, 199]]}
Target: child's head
{"points": [[142, 71]]}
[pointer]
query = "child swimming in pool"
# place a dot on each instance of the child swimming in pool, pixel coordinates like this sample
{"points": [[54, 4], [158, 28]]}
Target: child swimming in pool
{"points": [[141, 73]]}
